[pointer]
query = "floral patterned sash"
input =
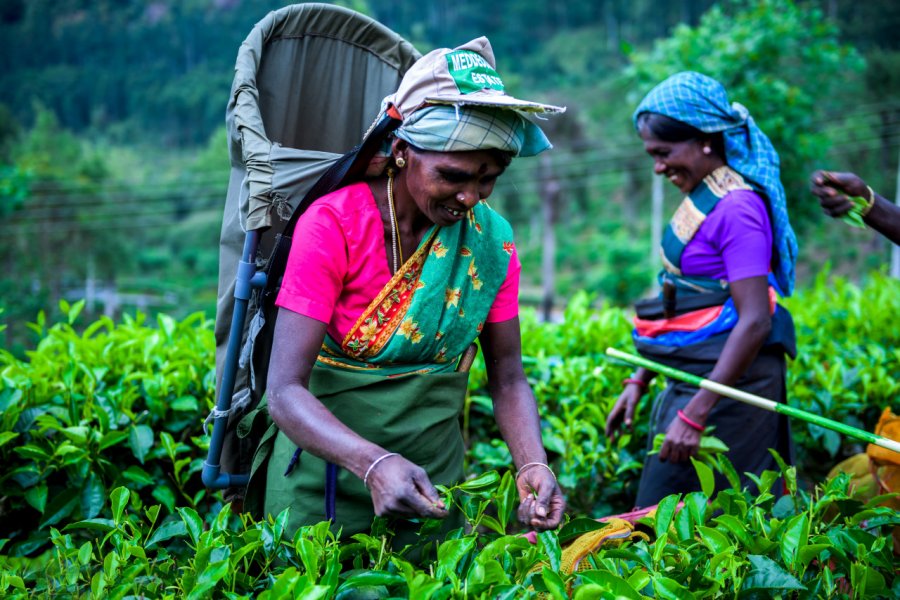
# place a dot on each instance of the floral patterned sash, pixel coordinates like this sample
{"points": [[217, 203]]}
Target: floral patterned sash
{"points": [[434, 306]]}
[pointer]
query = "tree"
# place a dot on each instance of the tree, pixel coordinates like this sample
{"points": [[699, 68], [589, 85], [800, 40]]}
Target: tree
{"points": [[780, 59]]}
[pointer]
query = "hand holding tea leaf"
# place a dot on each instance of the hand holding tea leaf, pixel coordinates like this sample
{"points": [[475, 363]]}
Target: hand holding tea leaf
{"points": [[400, 487], [541, 501], [842, 195]]}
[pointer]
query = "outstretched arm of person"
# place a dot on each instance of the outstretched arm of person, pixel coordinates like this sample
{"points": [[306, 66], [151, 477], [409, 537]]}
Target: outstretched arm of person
{"points": [[398, 486], [542, 503], [751, 299], [833, 189]]}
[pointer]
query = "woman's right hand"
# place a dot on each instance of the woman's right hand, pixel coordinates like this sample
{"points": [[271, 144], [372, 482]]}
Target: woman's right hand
{"points": [[401, 488], [833, 188], [623, 411]]}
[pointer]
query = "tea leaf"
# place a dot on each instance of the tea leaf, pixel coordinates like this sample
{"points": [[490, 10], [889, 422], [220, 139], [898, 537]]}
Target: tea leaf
{"points": [[669, 589], [485, 482], [550, 543], [165, 496], [450, 553], [715, 540], [192, 522], [665, 510], [867, 582], [554, 584], [119, 498], [807, 553], [99, 525], [140, 438], [578, 527], [93, 496], [167, 531], [36, 496], [112, 438], [684, 525], [794, 536], [60, 507], [705, 474], [370, 579], [138, 475], [766, 574], [610, 582]]}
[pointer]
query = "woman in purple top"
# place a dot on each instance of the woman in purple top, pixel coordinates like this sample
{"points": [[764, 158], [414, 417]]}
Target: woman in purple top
{"points": [[727, 252]]}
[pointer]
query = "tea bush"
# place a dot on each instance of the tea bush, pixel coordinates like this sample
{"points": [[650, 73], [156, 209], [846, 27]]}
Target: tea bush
{"points": [[847, 370], [85, 412], [101, 438], [822, 544]]}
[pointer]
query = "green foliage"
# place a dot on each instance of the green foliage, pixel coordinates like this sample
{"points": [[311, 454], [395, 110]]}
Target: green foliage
{"points": [[88, 411], [100, 434], [847, 352], [849, 346], [53, 154], [822, 544], [14, 188], [779, 58]]}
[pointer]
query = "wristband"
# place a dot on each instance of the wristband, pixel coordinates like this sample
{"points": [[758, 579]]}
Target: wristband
{"points": [[635, 381], [375, 462], [690, 423]]}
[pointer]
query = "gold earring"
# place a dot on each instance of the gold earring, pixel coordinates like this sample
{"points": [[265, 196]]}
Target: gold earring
{"points": [[400, 162]]}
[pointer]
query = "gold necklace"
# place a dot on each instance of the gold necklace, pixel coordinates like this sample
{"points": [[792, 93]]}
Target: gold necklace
{"points": [[395, 243]]}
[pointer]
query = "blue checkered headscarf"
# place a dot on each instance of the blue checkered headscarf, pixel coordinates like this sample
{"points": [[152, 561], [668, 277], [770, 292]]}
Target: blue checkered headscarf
{"points": [[701, 102]]}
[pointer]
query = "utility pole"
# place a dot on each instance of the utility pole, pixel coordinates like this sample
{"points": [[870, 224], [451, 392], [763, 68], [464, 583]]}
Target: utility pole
{"points": [[895, 249], [550, 190], [656, 223]]}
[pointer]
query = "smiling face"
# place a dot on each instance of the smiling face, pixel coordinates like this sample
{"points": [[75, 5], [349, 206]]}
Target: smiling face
{"points": [[683, 163], [684, 160], [446, 185]]}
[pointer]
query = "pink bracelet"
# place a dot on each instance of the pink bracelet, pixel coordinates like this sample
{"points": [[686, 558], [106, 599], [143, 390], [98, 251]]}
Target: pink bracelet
{"points": [[687, 421], [636, 382]]}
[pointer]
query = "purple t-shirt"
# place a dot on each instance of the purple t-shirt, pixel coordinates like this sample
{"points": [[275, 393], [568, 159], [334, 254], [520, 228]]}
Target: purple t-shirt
{"points": [[734, 242]]}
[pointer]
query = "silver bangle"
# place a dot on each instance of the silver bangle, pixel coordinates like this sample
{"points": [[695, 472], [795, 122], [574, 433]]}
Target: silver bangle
{"points": [[535, 464], [375, 462]]}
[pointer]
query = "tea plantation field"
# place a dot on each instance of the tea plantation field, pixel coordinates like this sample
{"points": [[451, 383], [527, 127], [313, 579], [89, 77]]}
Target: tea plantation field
{"points": [[102, 442]]}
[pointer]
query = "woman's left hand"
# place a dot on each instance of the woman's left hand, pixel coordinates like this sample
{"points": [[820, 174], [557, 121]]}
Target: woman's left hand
{"points": [[541, 501], [681, 443]]}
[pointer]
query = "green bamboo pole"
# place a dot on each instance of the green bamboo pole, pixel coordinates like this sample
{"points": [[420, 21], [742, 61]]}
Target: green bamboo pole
{"points": [[758, 401]]}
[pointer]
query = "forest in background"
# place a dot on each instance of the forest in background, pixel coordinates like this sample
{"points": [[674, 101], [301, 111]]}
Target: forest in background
{"points": [[113, 155]]}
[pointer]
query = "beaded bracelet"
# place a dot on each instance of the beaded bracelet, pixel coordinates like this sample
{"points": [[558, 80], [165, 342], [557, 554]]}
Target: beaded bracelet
{"points": [[689, 422], [535, 464], [375, 462]]}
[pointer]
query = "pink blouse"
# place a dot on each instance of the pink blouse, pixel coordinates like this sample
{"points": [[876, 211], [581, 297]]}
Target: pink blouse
{"points": [[338, 263]]}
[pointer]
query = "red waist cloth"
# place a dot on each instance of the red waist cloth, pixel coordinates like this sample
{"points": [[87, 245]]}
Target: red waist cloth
{"points": [[689, 321]]}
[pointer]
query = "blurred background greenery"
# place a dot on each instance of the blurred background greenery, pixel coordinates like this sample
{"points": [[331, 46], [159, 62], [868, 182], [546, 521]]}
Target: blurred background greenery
{"points": [[114, 166]]}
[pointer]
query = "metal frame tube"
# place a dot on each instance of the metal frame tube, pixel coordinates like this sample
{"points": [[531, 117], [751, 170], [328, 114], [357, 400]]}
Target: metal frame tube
{"points": [[247, 278]]}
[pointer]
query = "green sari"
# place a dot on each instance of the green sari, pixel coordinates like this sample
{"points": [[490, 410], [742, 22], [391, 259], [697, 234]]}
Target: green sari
{"points": [[392, 378]]}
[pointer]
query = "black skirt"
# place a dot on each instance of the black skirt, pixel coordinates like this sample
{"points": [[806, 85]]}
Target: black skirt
{"points": [[748, 431]]}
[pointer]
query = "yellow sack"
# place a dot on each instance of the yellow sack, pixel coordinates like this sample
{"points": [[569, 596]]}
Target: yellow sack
{"points": [[888, 426], [613, 534], [863, 486]]}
